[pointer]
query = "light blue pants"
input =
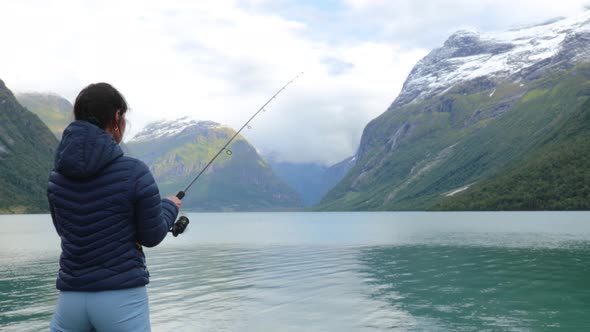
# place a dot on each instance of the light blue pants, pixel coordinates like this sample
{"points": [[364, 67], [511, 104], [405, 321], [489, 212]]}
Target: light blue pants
{"points": [[118, 310]]}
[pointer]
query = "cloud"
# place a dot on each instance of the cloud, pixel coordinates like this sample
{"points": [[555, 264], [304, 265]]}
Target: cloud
{"points": [[215, 61], [221, 60], [427, 23], [336, 66]]}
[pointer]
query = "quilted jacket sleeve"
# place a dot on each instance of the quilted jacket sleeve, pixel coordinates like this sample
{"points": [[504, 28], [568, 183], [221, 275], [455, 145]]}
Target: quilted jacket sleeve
{"points": [[153, 216]]}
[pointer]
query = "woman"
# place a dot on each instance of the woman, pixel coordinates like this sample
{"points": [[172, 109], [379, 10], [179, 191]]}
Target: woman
{"points": [[105, 207]]}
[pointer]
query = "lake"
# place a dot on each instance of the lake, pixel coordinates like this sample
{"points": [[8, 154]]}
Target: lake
{"points": [[335, 272]]}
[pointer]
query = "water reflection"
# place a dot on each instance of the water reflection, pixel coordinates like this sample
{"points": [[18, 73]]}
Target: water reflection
{"points": [[460, 288], [271, 288]]}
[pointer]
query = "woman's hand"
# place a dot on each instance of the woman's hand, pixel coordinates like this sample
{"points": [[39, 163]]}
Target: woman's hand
{"points": [[175, 200]]}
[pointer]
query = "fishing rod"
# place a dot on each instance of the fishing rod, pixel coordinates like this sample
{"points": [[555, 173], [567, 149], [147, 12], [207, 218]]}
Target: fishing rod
{"points": [[181, 224]]}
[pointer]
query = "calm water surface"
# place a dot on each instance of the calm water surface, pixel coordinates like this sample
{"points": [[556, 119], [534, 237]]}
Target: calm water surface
{"points": [[336, 272]]}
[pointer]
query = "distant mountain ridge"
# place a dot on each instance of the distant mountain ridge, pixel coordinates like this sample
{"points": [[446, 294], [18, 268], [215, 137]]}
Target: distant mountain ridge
{"points": [[469, 111], [311, 181], [55, 111], [27, 150], [177, 150]]}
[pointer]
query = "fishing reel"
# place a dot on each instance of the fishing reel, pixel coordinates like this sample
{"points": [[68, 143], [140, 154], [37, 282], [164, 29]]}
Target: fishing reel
{"points": [[179, 226], [182, 223]]}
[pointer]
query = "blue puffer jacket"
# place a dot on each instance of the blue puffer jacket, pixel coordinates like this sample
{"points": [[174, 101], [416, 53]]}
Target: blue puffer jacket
{"points": [[104, 206]]}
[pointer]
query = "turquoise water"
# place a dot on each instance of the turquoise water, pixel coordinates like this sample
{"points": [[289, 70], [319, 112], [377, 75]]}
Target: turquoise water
{"points": [[336, 272]]}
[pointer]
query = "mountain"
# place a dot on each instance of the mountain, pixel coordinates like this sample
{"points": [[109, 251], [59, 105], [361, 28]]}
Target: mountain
{"points": [[176, 151], [55, 111], [311, 181], [471, 111], [26, 157]]}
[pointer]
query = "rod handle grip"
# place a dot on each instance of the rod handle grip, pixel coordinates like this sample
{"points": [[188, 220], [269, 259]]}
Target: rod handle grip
{"points": [[180, 195]]}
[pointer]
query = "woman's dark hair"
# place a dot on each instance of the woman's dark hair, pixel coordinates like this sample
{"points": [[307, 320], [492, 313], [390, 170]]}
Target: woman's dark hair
{"points": [[98, 103]]}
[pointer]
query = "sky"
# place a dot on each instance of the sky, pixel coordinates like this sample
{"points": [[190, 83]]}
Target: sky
{"points": [[222, 60]]}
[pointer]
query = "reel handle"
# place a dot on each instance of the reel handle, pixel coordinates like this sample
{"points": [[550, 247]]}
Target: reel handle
{"points": [[182, 223]]}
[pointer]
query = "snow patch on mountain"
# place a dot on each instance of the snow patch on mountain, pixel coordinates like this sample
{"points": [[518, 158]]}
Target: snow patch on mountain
{"points": [[468, 55], [456, 191], [168, 128]]}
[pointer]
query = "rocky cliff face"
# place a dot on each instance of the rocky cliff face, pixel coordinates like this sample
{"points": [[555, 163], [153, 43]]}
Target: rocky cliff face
{"points": [[239, 180], [467, 111]]}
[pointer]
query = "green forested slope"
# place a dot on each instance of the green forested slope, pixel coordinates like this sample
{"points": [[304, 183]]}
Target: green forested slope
{"points": [[26, 157], [556, 176]]}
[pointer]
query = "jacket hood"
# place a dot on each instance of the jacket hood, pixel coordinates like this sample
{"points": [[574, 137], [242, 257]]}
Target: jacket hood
{"points": [[85, 150]]}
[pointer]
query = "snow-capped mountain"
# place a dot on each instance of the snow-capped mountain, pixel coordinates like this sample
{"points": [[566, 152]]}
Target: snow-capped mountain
{"points": [[169, 128], [481, 105], [176, 151], [511, 55]]}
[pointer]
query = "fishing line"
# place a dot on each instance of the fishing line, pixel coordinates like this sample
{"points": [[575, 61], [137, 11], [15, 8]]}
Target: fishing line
{"points": [[182, 222]]}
